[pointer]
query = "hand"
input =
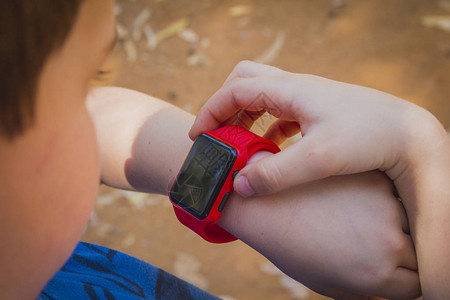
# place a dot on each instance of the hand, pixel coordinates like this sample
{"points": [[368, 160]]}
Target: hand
{"points": [[340, 233], [340, 236], [346, 128]]}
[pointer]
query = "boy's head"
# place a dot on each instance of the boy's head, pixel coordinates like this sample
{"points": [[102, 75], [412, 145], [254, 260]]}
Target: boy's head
{"points": [[49, 170]]}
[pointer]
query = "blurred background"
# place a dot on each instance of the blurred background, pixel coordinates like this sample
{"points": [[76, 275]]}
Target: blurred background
{"points": [[181, 51]]}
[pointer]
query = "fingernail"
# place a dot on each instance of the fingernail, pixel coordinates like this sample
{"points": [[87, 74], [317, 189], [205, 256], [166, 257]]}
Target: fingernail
{"points": [[243, 187]]}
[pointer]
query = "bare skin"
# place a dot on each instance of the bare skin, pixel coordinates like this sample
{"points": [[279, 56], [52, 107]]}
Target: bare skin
{"points": [[307, 231]]}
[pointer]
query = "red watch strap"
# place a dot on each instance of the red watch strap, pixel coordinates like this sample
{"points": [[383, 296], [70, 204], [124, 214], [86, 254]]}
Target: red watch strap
{"points": [[248, 142], [245, 139], [236, 135], [212, 232]]}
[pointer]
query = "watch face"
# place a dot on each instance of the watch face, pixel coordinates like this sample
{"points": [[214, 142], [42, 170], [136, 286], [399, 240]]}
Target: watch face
{"points": [[203, 173]]}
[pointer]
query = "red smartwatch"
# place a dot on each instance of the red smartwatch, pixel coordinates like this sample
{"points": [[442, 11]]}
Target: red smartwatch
{"points": [[205, 181]]}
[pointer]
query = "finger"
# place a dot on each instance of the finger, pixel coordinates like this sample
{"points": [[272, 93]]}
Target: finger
{"points": [[280, 130], [302, 162], [408, 256], [247, 68], [244, 118], [258, 156], [403, 218], [405, 285], [251, 94]]}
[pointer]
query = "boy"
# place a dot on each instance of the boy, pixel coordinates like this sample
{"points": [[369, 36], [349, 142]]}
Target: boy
{"points": [[51, 165]]}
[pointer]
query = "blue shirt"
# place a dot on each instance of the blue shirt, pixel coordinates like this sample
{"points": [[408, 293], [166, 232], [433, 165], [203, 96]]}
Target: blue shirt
{"points": [[97, 273]]}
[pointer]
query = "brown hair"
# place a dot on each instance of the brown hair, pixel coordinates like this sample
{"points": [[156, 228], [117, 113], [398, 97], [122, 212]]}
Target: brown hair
{"points": [[30, 30]]}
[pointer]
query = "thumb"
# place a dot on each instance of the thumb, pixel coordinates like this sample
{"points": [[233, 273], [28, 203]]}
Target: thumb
{"points": [[302, 162]]}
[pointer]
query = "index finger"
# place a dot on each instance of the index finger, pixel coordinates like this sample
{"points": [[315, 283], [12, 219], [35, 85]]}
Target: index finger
{"points": [[251, 94], [247, 68]]}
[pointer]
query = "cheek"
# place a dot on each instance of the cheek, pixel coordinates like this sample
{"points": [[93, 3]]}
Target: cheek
{"points": [[69, 186], [74, 172], [49, 184], [67, 179]]}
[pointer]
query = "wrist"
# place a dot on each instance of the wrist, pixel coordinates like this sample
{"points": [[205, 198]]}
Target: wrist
{"points": [[421, 175], [424, 190], [422, 140], [430, 139]]}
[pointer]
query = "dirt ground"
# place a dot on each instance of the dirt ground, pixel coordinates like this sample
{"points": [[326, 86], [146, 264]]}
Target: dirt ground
{"points": [[181, 51]]}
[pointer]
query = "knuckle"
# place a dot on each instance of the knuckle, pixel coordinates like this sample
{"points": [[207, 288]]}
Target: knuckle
{"points": [[231, 83], [391, 238], [383, 271], [243, 65], [382, 278], [395, 243]]}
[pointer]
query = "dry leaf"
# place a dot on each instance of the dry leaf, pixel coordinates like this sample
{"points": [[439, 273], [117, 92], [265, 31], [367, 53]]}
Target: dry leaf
{"points": [[272, 52], [128, 241], [150, 35], [172, 30], [199, 59], [189, 35], [239, 10], [122, 32], [436, 21], [188, 268], [296, 289], [130, 51], [139, 21]]}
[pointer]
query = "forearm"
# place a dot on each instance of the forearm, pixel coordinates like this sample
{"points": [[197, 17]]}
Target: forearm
{"points": [[309, 230], [142, 140]]}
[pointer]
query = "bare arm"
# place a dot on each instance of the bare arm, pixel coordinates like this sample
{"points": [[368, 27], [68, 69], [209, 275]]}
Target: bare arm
{"points": [[142, 140], [426, 194], [307, 230]]}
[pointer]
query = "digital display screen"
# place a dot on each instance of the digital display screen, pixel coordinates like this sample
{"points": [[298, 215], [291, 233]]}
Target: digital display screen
{"points": [[203, 173]]}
